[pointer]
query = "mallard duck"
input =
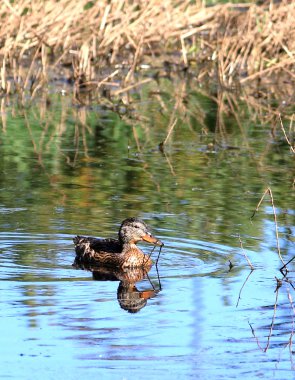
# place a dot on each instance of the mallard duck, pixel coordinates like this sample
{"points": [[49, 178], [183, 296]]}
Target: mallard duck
{"points": [[117, 253]]}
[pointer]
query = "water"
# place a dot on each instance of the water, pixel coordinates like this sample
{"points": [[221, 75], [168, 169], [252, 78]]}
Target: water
{"points": [[72, 170]]}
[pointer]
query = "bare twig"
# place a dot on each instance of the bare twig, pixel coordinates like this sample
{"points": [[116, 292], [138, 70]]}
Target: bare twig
{"points": [[273, 316], [290, 342], [285, 266], [131, 87], [244, 253], [240, 292], [272, 322], [285, 134], [170, 131], [256, 338], [268, 191]]}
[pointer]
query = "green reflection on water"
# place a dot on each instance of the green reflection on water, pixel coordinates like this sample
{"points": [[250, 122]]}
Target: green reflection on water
{"points": [[68, 169], [84, 169]]}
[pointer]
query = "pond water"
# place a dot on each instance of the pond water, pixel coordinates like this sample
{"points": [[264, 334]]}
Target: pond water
{"points": [[69, 169]]}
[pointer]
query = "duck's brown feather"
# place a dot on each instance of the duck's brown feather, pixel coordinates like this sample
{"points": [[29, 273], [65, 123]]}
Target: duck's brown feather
{"points": [[109, 253], [98, 245]]}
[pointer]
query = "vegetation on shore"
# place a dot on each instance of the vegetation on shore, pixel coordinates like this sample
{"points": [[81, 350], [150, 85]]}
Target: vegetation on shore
{"points": [[105, 51], [103, 43]]}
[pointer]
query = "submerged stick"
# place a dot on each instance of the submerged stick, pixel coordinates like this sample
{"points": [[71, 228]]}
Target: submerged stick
{"points": [[285, 266], [274, 315], [244, 253], [240, 292], [272, 322], [290, 342], [268, 191], [159, 281], [285, 134], [170, 130]]}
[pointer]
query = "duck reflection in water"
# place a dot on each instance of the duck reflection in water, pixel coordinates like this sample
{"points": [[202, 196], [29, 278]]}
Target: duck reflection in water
{"points": [[120, 259], [129, 297]]}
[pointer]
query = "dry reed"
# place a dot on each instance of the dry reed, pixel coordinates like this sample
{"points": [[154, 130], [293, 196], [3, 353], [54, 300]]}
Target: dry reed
{"points": [[269, 192], [243, 42]]}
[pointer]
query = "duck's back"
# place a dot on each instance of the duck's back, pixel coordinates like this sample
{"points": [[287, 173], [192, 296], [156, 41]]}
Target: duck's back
{"points": [[86, 247], [108, 253]]}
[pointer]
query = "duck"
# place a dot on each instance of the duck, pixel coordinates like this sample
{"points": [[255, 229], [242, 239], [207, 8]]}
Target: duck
{"points": [[117, 253]]}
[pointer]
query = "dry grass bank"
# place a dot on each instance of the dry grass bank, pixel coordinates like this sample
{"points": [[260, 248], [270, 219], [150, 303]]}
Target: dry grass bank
{"points": [[232, 42]]}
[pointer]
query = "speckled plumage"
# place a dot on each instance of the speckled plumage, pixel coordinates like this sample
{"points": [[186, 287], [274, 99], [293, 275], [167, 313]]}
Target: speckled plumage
{"points": [[117, 253]]}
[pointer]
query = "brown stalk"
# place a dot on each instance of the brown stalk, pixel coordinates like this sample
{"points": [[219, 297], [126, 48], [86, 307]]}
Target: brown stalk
{"points": [[290, 342], [257, 41], [279, 284], [128, 88], [3, 115], [272, 322], [240, 292], [244, 253], [285, 134], [269, 192], [269, 70], [28, 77], [135, 61], [170, 129], [110, 76]]}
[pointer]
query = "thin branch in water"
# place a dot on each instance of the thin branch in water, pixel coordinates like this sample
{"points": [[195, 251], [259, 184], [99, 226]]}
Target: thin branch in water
{"points": [[276, 224], [254, 335], [285, 266], [167, 159], [290, 342], [268, 191], [159, 281], [170, 131], [279, 283], [172, 122], [148, 277], [285, 134], [244, 253], [131, 87], [240, 292], [258, 205]]}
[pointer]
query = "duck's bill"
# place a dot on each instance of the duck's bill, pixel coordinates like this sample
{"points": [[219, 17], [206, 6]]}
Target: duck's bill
{"points": [[152, 239]]}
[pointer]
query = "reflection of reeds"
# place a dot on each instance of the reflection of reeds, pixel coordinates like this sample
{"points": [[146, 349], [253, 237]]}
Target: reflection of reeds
{"points": [[289, 138], [240, 40], [286, 283]]}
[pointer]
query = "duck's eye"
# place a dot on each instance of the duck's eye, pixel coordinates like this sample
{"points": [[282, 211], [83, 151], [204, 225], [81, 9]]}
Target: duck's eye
{"points": [[136, 226]]}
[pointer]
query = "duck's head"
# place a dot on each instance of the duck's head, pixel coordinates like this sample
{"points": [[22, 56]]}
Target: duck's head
{"points": [[133, 230]]}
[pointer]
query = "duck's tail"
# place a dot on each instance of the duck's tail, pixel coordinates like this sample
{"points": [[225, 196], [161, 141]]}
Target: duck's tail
{"points": [[77, 239], [82, 245]]}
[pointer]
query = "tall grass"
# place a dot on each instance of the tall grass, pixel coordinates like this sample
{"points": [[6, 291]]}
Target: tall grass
{"points": [[105, 41]]}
